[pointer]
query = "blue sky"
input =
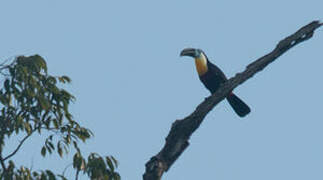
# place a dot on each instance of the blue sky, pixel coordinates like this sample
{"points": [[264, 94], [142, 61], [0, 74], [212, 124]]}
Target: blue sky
{"points": [[131, 84]]}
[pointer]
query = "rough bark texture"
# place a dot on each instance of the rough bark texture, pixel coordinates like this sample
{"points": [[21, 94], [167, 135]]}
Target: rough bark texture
{"points": [[181, 130]]}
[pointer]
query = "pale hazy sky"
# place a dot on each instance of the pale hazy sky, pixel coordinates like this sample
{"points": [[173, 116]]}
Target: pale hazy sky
{"points": [[131, 84]]}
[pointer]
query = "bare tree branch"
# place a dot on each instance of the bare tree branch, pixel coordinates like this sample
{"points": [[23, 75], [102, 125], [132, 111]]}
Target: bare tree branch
{"points": [[19, 145], [181, 130], [2, 163]]}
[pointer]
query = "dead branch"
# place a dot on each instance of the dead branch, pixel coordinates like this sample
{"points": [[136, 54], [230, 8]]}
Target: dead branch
{"points": [[181, 130]]}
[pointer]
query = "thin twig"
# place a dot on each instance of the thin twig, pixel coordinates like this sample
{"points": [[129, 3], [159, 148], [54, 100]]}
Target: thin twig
{"points": [[2, 163], [77, 174], [20, 144], [65, 169]]}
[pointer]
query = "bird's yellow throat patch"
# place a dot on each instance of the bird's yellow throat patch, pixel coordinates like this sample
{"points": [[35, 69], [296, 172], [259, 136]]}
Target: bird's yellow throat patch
{"points": [[201, 65]]}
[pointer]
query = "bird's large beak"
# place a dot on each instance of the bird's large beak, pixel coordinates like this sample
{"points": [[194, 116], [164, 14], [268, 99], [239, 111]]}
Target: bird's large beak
{"points": [[188, 52]]}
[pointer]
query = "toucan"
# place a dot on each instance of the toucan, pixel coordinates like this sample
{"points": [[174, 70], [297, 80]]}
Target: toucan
{"points": [[212, 77]]}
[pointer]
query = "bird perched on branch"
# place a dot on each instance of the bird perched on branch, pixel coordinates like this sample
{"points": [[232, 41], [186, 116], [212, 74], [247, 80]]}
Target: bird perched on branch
{"points": [[212, 77]]}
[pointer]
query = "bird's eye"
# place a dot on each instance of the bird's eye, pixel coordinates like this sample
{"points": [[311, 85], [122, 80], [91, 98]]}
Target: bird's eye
{"points": [[197, 53]]}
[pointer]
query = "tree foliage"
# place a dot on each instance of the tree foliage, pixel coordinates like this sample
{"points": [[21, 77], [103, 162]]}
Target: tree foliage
{"points": [[31, 102]]}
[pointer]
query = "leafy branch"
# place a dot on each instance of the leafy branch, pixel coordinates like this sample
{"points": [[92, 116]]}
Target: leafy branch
{"points": [[32, 101]]}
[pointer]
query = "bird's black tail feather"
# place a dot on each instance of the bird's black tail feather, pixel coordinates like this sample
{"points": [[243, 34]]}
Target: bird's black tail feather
{"points": [[238, 105]]}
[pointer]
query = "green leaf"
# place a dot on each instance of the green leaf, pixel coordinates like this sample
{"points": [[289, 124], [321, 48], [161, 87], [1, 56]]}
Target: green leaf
{"points": [[35, 174], [55, 122], [11, 165], [7, 85], [64, 79], [110, 163], [67, 139], [27, 127], [51, 80], [43, 151], [12, 71], [43, 102], [51, 145], [116, 176], [59, 149], [115, 161], [19, 121], [76, 146], [78, 161], [43, 176], [50, 175], [51, 137], [40, 62], [68, 115]]}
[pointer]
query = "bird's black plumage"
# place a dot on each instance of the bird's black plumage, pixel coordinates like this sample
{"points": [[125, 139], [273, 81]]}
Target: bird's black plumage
{"points": [[212, 77]]}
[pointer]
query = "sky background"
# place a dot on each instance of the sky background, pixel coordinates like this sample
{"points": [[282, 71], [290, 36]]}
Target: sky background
{"points": [[131, 84]]}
